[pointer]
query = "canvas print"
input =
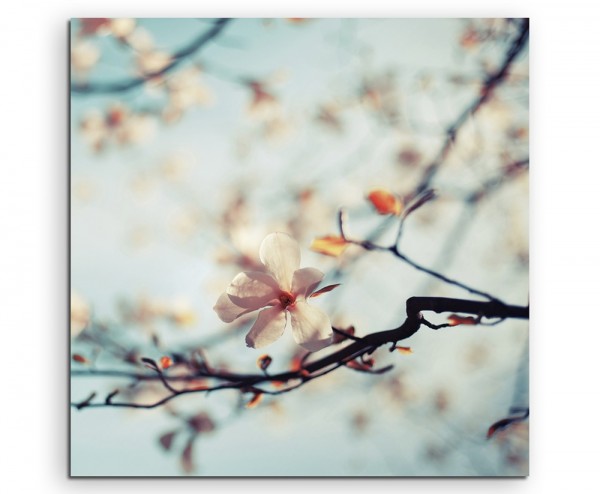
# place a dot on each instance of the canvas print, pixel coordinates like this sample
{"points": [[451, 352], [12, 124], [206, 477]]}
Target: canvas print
{"points": [[299, 247]]}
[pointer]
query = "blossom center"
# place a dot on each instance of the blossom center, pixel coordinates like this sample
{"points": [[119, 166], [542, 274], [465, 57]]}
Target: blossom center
{"points": [[287, 299]]}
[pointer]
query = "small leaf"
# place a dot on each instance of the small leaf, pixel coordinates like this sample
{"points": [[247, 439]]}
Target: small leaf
{"points": [[370, 362], [325, 289], [197, 385], [330, 245], [263, 362], [256, 399], [187, 460], [79, 358], [356, 365], [385, 202], [166, 440], [149, 363], [201, 423], [456, 320], [166, 362], [502, 424], [405, 350]]}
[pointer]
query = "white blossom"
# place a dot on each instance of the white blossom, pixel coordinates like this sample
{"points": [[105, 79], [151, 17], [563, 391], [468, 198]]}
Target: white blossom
{"points": [[283, 290]]}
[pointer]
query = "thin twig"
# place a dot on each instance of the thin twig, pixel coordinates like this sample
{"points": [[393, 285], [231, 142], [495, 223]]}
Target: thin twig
{"points": [[178, 57]]}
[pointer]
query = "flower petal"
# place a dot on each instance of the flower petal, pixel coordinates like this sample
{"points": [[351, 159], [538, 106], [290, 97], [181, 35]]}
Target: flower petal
{"points": [[227, 310], [305, 281], [311, 327], [268, 327], [253, 290], [281, 256]]}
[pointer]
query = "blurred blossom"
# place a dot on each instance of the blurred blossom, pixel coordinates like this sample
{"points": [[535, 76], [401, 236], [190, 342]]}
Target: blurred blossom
{"points": [[380, 95], [84, 56], [174, 167], [328, 115], [143, 184], [122, 27], [514, 444], [146, 393], [185, 90], [187, 223], [94, 129], [312, 215], [284, 290], [151, 62], [470, 38], [180, 312], [136, 129], [277, 129], [495, 117], [146, 311], [83, 190], [298, 20], [118, 124], [80, 314], [140, 40], [244, 239], [263, 105]]}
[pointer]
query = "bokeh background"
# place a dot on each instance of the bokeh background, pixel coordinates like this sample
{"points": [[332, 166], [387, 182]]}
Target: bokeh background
{"points": [[273, 125]]}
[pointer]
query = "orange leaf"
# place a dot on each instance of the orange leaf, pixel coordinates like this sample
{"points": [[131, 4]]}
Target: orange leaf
{"points": [[166, 362], [79, 358], [263, 362], [198, 385], [255, 400], [329, 245], [369, 362], [385, 202], [455, 320], [325, 289], [296, 364], [360, 366], [405, 350]]}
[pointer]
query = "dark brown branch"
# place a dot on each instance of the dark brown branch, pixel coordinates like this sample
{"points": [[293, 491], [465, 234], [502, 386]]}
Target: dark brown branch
{"points": [[394, 250], [486, 91], [368, 245], [309, 371], [131, 83]]}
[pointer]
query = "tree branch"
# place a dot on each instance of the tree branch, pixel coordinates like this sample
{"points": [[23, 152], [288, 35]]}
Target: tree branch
{"points": [[178, 57], [489, 85], [366, 345]]}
